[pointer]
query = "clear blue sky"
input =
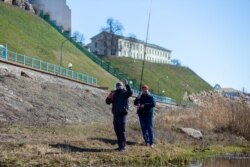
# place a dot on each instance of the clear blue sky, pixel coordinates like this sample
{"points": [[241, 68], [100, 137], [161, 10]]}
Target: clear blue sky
{"points": [[212, 37]]}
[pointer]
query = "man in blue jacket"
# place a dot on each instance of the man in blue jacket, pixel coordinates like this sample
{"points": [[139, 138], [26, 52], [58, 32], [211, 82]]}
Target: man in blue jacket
{"points": [[119, 100], [145, 110]]}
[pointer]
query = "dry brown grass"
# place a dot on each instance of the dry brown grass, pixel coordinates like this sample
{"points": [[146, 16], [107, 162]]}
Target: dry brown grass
{"points": [[216, 113], [93, 145], [240, 120]]}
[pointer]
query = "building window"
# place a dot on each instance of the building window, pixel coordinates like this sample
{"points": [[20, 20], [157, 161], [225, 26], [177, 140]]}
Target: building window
{"points": [[113, 52], [95, 44]]}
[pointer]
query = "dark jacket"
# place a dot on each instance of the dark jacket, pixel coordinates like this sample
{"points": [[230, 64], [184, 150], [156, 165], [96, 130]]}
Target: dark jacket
{"points": [[149, 102], [119, 100]]}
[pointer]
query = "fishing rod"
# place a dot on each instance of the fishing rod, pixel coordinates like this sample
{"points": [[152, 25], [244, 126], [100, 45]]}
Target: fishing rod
{"points": [[144, 56]]}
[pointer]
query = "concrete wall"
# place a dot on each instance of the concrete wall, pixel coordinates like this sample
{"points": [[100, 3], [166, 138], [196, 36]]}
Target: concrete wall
{"points": [[58, 11]]}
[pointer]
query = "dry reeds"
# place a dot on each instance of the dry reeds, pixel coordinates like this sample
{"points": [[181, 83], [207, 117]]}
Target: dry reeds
{"points": [[215, 113]]}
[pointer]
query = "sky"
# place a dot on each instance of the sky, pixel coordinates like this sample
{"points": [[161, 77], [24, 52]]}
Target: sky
{"points": [[212, 37]]}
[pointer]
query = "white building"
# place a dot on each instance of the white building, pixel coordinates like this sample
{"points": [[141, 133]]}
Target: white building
{"points": [[107, 44], [58, 11]]}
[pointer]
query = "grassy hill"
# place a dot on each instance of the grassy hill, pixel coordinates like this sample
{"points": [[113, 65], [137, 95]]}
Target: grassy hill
{"points": [[175, 81], [28, 34]]}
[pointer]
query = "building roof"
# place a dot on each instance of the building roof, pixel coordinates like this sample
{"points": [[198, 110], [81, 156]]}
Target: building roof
{"points": [[158, 47], [135, 40], [228, 90]]}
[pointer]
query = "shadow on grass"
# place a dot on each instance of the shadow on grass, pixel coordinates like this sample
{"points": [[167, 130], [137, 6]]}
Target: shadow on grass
{"points": [[111, 141], [70, 148]]}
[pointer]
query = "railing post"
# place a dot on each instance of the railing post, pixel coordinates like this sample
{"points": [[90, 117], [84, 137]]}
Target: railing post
{"points": [[72, 74], [67, 71], [84, 77], [6, 52], [87, 77], [77, 75], [80, 77], [15, 57], [47, 66], [54, 68], [32, 62], [40, 64], [24, 59]]}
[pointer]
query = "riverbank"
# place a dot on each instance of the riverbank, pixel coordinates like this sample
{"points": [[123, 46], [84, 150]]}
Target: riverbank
{"points": [[47, 121]]}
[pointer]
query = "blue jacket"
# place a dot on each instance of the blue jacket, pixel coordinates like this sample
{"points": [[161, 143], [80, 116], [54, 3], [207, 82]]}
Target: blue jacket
{"points": [[119, 100], [149, 102]]}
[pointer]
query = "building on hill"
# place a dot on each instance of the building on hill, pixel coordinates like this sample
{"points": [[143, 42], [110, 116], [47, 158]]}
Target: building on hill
{"points": [[107, 44], [227, 92], [58, 10]]}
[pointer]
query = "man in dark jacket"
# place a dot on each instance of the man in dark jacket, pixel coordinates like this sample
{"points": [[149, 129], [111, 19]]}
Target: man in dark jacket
{"points": [[119, 100], [145, 110]]}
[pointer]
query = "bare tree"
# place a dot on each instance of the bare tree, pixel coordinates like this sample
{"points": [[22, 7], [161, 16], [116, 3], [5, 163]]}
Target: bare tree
{"points": [[78, 37], [113, 27]]}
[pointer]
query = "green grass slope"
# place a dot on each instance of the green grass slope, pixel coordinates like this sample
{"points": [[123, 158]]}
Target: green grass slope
{"points": [[28, 34], [175, 81]]}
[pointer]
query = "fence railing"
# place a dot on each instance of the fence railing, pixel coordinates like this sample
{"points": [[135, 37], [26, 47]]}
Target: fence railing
{"points": [[45, 66], [157, 97]]}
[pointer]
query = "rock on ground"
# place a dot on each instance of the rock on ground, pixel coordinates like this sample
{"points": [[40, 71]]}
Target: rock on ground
{"points": [[192, 132]]}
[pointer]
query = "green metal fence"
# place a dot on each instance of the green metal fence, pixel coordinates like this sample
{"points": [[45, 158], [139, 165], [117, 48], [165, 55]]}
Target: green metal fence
{"points": [[45, 66], [157, 97]]}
